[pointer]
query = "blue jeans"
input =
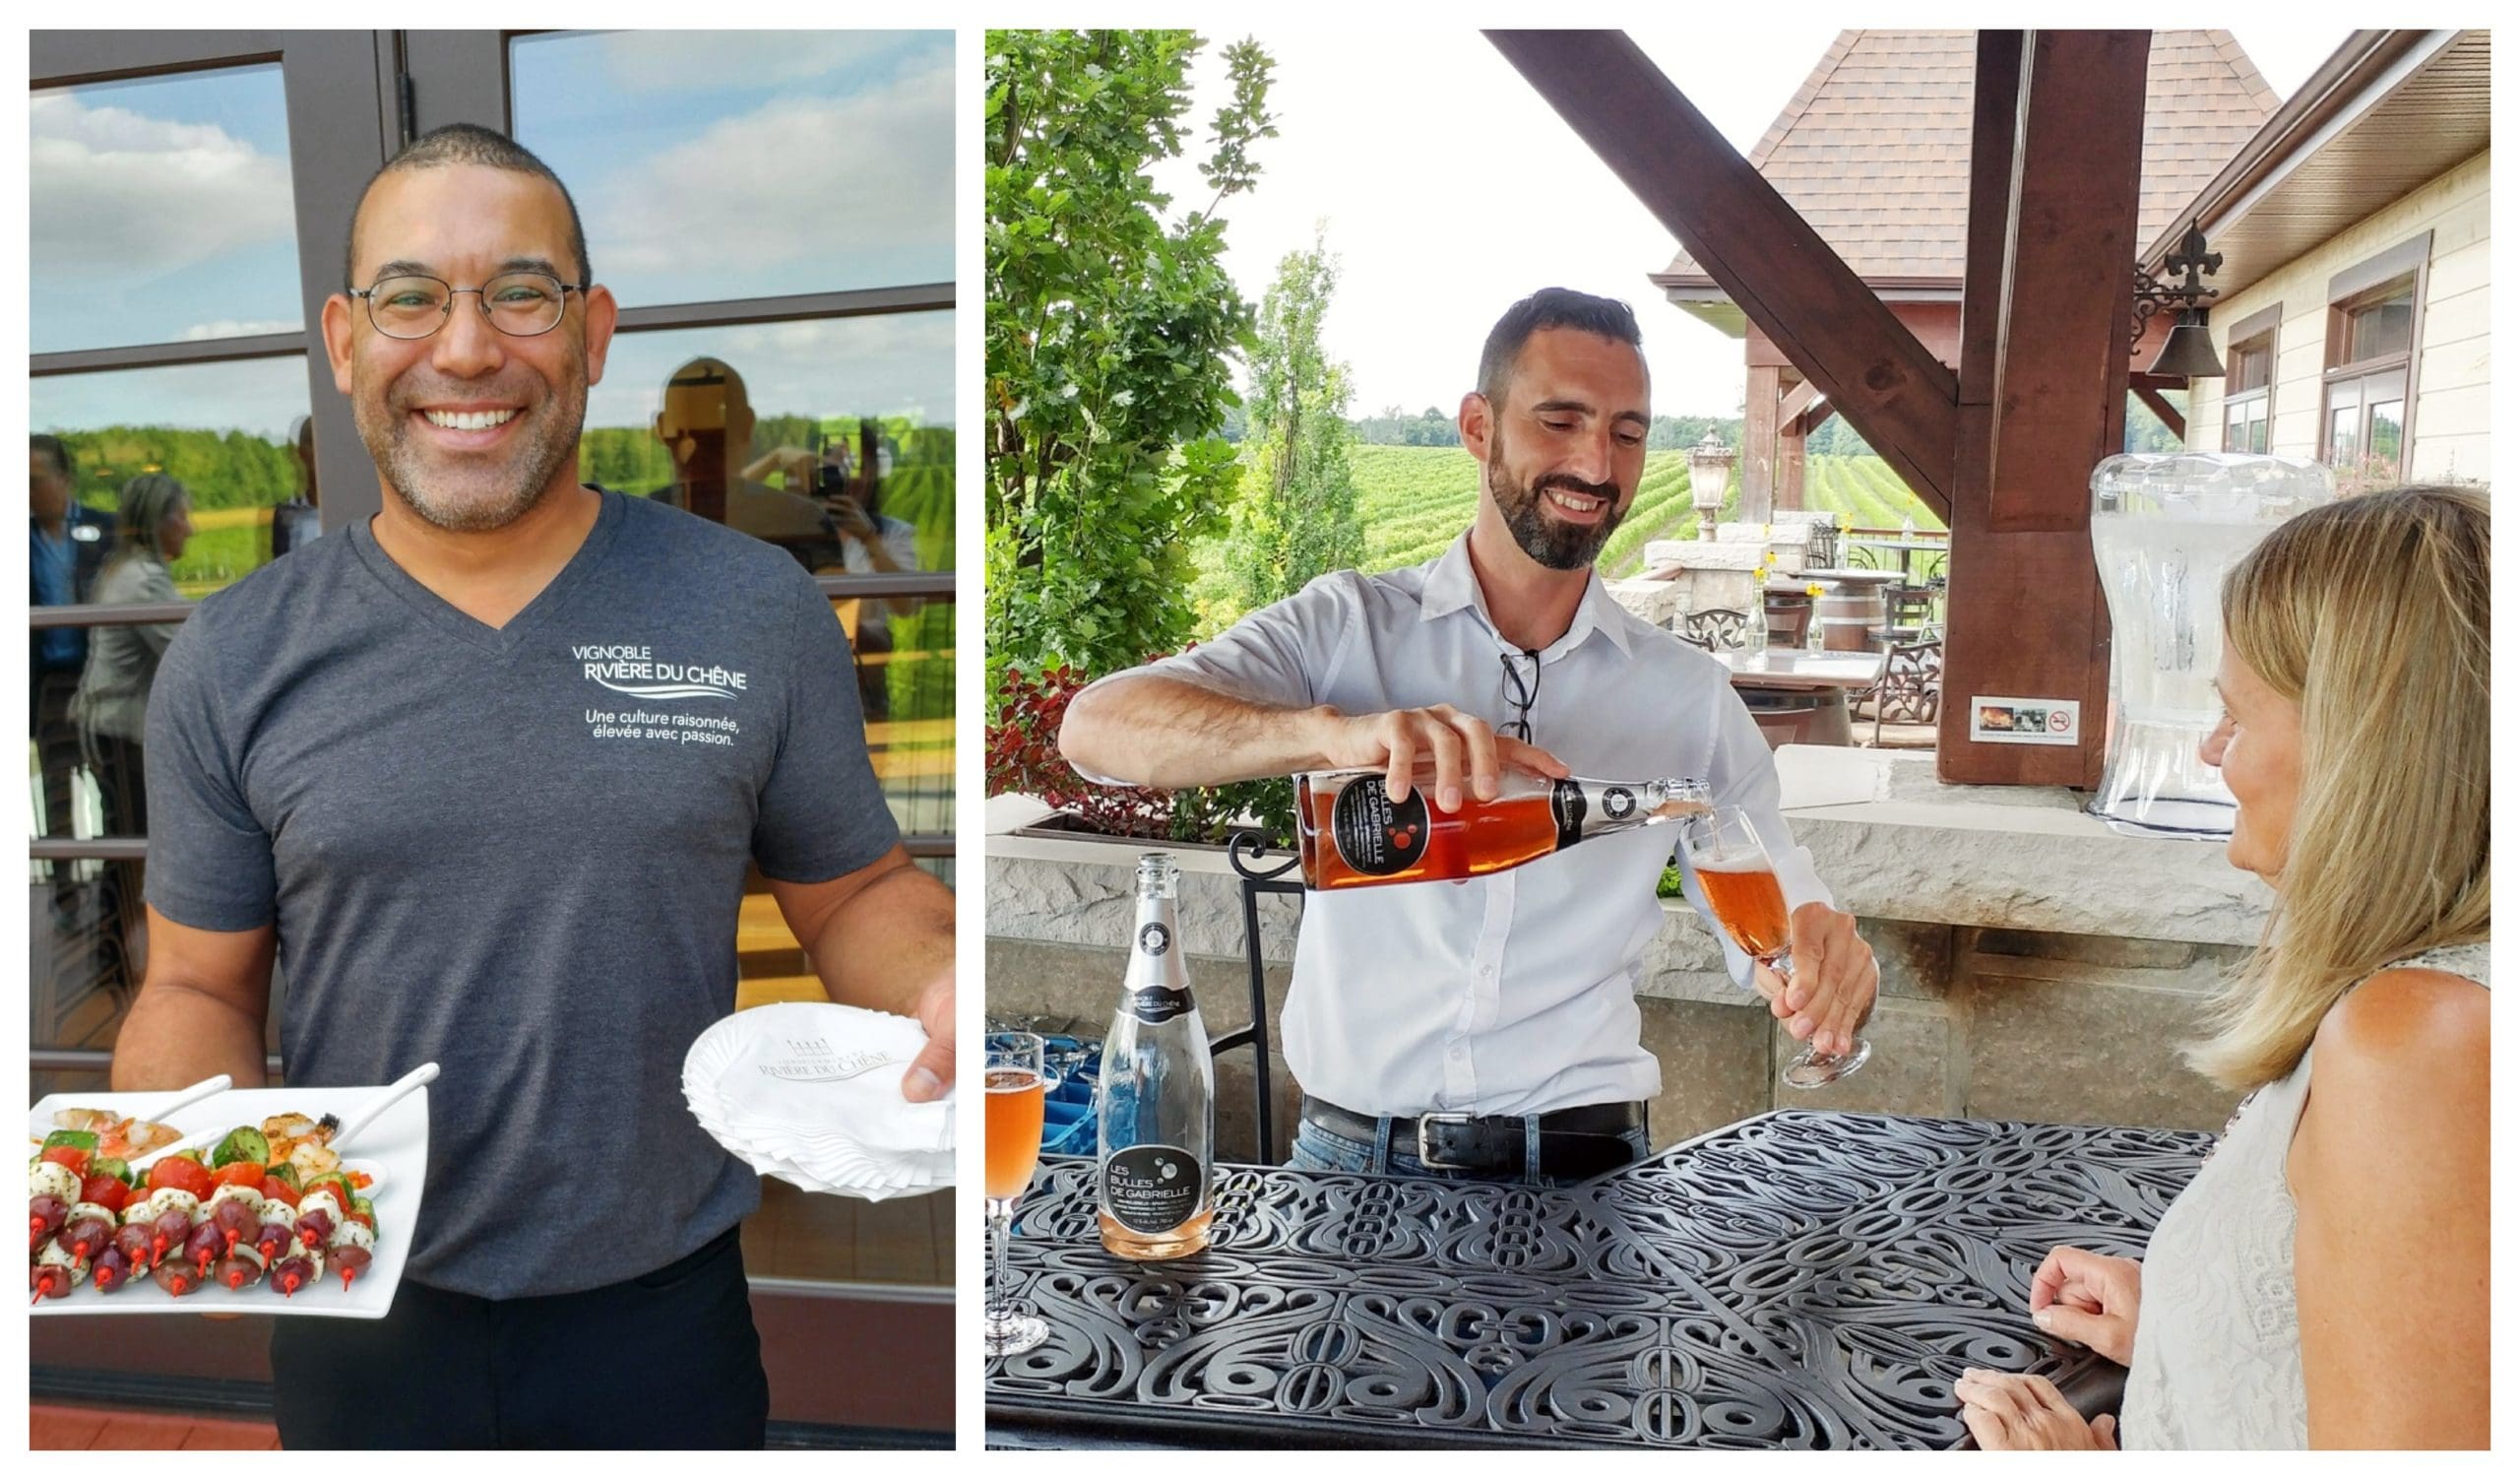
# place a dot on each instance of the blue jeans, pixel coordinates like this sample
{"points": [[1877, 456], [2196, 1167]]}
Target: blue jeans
{"points": [[1317, 1149]]}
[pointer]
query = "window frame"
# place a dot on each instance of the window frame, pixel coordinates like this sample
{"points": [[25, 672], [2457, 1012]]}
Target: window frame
{"points": [[2257, 334], [2403, 269]]}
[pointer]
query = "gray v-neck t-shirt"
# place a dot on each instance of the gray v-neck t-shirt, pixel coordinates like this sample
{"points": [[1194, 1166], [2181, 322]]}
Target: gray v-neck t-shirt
{"points": [[518, 851]]}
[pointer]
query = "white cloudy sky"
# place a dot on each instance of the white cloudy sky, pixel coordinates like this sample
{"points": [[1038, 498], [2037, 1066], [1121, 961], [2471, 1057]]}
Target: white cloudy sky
{"points": [[707, 165], [1449, 189]]}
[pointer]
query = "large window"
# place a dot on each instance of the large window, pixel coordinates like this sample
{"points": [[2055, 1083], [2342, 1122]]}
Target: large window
{"points": [[2374, 318]]}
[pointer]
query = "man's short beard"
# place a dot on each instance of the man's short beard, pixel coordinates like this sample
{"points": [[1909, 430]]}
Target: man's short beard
{"points": [[1554, 543], [549, 438]]}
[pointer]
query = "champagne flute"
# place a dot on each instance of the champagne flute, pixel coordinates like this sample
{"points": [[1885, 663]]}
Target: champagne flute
{"points": [[1016, 1083], [1733, 868]]}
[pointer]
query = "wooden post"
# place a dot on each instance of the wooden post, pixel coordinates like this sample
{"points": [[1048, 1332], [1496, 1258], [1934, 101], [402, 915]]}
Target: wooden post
{"points": [[1758, 444], [2057, 162]]}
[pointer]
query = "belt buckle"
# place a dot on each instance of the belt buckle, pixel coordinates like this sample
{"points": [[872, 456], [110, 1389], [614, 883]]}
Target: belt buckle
{"points": [[1425, 1151]]}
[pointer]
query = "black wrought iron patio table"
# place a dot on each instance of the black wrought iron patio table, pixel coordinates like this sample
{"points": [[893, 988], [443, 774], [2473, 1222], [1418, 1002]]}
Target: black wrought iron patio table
{"points": [[1801, 1279]]}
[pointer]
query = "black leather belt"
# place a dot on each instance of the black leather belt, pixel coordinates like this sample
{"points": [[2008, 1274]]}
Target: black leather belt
{"points": [[1583, 1142]]}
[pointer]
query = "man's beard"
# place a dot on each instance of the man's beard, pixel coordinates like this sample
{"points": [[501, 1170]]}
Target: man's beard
{"points": [[500, 496], [1550, 540]]}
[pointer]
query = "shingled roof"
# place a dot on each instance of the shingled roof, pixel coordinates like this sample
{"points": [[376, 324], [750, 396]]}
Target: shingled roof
{"points": [[1873, 150]]}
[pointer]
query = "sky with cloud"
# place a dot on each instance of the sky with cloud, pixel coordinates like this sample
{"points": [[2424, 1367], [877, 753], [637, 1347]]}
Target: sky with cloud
{"points": [[707, 165]]}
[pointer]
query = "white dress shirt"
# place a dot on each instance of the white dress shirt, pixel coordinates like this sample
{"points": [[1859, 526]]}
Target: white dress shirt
{"points": [[1513, 994]]}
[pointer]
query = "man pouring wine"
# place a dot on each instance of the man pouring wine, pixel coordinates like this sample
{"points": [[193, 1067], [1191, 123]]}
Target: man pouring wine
{"points": [[1488, 1029]]}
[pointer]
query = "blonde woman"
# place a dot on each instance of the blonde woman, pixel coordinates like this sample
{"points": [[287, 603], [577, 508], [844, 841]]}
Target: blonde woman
{"points": [[2322, 1281]]}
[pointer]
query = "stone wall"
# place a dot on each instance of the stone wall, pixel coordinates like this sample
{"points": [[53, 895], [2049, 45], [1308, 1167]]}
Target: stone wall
{"points": [[1971, 1022]]}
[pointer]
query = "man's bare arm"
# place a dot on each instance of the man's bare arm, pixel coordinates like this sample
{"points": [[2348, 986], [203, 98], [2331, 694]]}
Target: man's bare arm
{"points": [[1154, 729], [201, 1009], [882, 937]]}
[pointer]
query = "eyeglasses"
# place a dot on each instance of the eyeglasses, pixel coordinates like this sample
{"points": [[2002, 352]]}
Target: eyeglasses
{"points": [[1520, 694], [519, 304]]}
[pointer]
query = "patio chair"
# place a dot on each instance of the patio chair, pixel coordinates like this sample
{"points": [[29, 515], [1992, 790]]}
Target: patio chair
{"points": [[1911, 687], [1716, 630]]}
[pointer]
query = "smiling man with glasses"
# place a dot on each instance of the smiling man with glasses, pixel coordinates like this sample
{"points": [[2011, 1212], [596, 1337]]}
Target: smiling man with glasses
{"points": [[1488, 1030], [485, 776]]}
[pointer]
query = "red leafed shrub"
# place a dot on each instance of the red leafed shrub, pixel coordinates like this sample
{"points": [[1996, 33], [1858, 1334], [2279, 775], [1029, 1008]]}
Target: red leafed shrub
{"points": [[1024, 756]]}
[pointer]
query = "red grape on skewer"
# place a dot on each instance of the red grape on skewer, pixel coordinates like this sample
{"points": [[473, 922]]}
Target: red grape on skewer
{"points": [[203, 1248], [45, 1215], [138, 1243], [176, 1277], [111, 1270]]}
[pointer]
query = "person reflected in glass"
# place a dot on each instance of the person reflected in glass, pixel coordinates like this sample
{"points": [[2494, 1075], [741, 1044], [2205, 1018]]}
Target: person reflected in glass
{"points": [[705, 423], [69, 541], [295, 522], [705, 420], [2322, 1282], [111, 707], [873, 542]]}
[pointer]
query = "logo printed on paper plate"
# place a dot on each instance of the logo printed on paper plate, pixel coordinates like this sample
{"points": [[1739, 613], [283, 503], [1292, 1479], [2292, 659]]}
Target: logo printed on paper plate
{"points": [[814, 1061], [631, 668]]}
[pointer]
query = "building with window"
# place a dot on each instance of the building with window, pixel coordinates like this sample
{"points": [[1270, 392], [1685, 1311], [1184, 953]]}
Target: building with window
{"points": [[2354, 231]]}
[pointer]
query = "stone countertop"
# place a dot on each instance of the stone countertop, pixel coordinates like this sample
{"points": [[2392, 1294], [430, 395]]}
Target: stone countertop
{"points": [[1892, 842]]}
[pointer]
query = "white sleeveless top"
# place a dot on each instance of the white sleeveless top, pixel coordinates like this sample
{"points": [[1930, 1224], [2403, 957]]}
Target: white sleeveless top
{"points": [[2218, 1345]]}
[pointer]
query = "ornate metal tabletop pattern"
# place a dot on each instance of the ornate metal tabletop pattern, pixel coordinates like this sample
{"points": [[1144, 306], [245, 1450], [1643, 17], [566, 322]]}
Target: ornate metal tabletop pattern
{"points": [[1803, 1279]]}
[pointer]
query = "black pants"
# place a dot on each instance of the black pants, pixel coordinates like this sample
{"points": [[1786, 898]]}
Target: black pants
{"points": [[667, 1361]]}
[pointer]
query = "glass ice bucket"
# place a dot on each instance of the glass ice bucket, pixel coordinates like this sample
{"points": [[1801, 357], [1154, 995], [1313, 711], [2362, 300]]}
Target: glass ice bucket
{"points": [[2164, 527]]}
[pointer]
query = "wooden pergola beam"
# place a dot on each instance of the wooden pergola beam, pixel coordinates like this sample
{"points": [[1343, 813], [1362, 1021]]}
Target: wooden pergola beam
{"points": [[1755, 246], [2161, 406]]}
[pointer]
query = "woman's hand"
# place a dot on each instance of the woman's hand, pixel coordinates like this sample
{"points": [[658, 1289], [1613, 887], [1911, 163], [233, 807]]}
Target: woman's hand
{"points": [[2088, 1298], [2006, 1410]]}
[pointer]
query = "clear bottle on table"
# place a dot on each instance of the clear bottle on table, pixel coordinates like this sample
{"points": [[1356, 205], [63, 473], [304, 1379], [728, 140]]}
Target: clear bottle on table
{"points": [[1156, 1115]]}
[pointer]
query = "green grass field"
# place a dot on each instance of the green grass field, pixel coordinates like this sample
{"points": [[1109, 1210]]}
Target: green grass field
{"points": [[1415, 500]]}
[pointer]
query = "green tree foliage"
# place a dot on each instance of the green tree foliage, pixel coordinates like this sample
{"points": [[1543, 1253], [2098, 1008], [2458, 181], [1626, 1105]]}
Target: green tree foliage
{"points": [[1110, 325], [1296, 518]]}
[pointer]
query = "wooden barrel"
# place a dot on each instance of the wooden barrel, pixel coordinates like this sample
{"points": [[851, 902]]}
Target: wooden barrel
{"points": [[1846, 613]]}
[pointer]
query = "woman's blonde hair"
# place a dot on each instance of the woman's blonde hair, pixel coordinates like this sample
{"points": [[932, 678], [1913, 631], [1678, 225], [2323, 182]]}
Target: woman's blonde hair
{"points": [[2371, 614]]}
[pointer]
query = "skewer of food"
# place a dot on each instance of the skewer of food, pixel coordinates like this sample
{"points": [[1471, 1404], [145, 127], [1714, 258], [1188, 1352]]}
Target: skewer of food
{"points": [[271, 1202]]}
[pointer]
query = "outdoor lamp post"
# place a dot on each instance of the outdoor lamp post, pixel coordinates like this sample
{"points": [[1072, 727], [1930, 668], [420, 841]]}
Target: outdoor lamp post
{"points": [[1710, 474]]}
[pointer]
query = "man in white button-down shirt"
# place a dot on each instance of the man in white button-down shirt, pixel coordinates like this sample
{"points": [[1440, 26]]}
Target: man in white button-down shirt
{"points": [[1489, 1028]]}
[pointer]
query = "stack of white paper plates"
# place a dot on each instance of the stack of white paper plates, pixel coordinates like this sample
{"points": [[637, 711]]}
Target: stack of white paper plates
{"points": [[811, 1093]]}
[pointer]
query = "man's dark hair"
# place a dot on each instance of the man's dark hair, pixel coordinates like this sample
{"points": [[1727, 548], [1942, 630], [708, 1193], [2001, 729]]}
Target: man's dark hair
{"points": [[51, 446], [1551, 308], [469, 144]]}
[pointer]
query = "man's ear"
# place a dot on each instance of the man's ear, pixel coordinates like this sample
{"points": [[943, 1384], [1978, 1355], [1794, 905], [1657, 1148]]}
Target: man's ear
{"points": [[339, 324], [1477, 422], [603, 312]]}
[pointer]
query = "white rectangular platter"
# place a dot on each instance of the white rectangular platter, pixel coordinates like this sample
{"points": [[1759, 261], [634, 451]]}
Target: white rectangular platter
{"points": [[395, 1150]]}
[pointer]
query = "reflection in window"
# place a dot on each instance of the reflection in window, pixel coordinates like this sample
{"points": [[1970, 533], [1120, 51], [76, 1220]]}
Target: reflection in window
{"points": [[162, 209], [2381, 329], [231, 433], [819, 161], [166, 483]]}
